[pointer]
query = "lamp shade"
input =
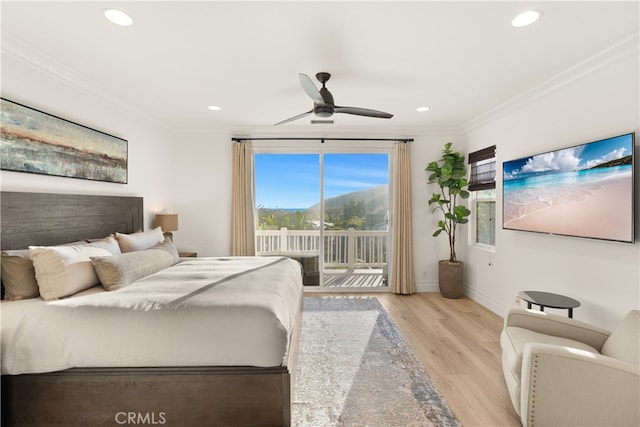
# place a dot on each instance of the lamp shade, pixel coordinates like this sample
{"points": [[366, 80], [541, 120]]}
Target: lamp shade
{"points": [[168, 222]]}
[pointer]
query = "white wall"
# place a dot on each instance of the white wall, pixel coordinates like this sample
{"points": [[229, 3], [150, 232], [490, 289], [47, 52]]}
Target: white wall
{"points": [[150, 171], [428, 250], [203, 192], [599, 100]]}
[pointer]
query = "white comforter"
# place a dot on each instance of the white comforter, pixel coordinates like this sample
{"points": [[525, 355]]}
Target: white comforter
{"points": [[237, 311]]}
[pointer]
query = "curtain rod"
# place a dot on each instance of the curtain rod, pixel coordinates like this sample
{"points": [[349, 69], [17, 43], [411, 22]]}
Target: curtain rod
{"points": [[322, 140]]}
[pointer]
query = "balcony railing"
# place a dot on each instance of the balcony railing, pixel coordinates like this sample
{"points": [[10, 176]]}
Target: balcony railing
{"points": [[342, 248]]}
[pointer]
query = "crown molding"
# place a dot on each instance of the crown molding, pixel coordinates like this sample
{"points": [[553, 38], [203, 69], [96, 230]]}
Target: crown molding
{"points": [[26, 53], [614, 53]]}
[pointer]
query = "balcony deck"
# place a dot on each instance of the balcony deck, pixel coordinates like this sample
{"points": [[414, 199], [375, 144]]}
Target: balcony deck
{"points": [[352, 258], [354, 278]]}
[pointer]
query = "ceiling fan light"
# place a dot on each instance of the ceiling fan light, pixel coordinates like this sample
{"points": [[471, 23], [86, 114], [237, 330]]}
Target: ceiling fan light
{"points": [[422, 109], [323, 111], [118, 17], [526, 18]]}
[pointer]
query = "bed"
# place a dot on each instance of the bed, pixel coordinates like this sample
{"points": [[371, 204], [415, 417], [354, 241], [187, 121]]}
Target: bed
{"points": [[175, 347]]}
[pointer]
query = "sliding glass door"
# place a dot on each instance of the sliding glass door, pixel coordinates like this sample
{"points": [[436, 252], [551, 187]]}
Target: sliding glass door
{"points": [[356, 212], [330, 211]]}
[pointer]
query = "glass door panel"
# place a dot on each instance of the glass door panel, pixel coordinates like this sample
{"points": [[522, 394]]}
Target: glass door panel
{"points": [[356, 213], [287, 194]]}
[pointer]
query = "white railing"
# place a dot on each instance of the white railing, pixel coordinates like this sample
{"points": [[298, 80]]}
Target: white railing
{"points": [[349, 248]]}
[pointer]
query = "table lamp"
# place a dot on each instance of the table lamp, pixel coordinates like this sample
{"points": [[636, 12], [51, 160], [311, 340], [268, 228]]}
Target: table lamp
{"points": [[168, 223]]}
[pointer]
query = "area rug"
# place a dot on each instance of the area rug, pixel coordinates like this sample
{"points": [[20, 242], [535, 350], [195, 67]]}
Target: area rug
{"points": [[355, 369]]}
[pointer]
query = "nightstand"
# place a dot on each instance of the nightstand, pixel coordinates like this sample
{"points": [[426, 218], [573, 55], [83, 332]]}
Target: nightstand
{"points": [[188, 254]]}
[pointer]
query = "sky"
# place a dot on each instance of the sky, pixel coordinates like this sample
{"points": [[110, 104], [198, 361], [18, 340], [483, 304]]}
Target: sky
{"points": [[580, 157], [291, 181]]}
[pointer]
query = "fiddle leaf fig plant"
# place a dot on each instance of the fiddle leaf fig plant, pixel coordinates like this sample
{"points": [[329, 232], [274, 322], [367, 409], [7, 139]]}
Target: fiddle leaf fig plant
{"points": [[450, 175]]}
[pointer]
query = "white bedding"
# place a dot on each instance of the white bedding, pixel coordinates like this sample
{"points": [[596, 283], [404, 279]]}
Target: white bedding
{"points": [[236, 311]]}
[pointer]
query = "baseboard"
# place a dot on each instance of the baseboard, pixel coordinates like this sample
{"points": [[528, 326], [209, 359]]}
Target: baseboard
{"points": [[427, 287], [490, 303]]}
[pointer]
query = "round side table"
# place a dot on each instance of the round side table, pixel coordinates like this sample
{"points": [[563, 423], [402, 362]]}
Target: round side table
{"points": [[548, 299]]}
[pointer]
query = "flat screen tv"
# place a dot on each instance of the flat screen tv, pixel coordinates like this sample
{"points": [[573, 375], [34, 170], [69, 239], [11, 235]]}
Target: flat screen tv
{"points": [[583, 191]]}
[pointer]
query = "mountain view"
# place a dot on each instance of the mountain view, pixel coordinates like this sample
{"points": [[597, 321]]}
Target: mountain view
{"points": [[361, 210]]}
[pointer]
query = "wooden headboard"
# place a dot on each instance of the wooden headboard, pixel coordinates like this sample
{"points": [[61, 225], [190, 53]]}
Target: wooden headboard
{"points": [[45, 219]]}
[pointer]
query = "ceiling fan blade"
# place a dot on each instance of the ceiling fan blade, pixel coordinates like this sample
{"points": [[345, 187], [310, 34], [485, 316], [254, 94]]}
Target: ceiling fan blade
{"points": [[310, 88], [299, 116], [362, 112]]}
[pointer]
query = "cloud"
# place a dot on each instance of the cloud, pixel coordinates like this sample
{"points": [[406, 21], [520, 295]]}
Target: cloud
{"points": [[613, 155], [511, 175], [560, 161]]}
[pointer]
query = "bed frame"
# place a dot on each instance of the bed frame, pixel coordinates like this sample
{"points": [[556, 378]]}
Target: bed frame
{"points": [[202, 396]]}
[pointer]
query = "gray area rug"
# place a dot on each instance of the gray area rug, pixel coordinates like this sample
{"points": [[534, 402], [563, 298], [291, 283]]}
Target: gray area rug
{"points": [[355, 369]]}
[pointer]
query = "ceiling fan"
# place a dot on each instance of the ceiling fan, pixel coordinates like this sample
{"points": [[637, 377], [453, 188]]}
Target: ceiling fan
{"points": [[323, 105]]}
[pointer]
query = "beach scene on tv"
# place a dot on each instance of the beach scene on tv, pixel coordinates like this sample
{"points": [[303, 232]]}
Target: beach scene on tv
{"points": [[584, 191]]}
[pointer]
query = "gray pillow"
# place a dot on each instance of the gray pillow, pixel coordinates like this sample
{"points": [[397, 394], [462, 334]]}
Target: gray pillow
{"points": [[168, 246], [118, 271]]}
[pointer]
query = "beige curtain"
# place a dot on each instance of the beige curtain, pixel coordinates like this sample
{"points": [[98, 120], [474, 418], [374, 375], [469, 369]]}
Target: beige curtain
{"points": [[242, 218], [403, 280]]}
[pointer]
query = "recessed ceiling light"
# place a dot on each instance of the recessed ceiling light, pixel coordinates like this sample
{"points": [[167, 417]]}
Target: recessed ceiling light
{"points": [[214, 108], [526, 18], [422, 109], [118, 17]]}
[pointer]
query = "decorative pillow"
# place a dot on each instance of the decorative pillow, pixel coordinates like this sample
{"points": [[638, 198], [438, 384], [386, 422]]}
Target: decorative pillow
{"points": [[64, 270], [139, 241], [118, 271], [18, 275], [168, 246]]}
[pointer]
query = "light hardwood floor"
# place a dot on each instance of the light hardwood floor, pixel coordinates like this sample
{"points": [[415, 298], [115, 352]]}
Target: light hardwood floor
{"points": [[457, 342]]}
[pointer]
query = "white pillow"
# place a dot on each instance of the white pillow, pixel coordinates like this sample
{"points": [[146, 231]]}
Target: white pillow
{"points": [[64, 270], [139, 241], [109, 243]]}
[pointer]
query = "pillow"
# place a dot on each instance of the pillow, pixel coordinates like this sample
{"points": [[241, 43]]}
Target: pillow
{"points": [[76, 243], [64, 270], [139, 241], [118, 271], [168, 246], [109, 243], [18, 275]]}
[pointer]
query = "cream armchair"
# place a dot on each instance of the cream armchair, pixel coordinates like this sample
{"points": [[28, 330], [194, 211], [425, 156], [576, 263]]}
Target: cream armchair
{"points": [[563, 372]]}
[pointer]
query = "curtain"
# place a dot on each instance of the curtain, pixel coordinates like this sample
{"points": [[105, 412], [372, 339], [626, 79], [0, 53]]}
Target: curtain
{"points": [[242, 218], [403, 280]]}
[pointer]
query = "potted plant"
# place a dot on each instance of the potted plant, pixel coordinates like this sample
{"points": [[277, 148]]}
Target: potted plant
{"points": [[450, 175]]}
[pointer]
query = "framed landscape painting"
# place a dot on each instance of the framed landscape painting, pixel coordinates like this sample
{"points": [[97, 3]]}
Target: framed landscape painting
{"points": [[36, 142]]}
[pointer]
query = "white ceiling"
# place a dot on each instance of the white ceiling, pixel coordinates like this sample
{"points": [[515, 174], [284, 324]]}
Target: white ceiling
{"points": [[459, 58]]}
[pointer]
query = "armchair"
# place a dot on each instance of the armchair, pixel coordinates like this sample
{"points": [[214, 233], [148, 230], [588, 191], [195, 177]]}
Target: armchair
{"points": [[563, 372]]}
